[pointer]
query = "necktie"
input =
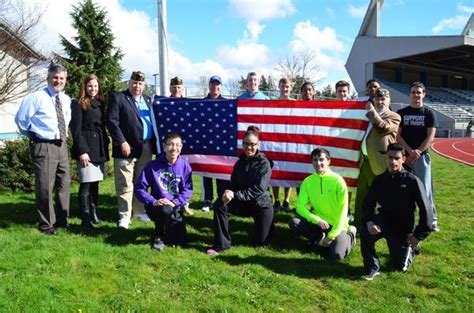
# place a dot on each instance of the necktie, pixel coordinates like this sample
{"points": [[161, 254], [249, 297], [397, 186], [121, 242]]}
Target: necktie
{"points": [[61, 122]]}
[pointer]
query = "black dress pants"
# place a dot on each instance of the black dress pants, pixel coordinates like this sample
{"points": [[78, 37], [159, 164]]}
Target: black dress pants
{"points": [[169, 224], [400, 252], [262, 216]]}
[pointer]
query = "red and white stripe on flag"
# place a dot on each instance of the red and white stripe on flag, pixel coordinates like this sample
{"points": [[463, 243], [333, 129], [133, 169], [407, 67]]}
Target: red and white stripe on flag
{"points": [[290, 130]]}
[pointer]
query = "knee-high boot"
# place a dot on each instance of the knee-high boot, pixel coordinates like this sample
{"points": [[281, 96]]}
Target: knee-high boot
{"points": [[93, 205], [84, 206]]}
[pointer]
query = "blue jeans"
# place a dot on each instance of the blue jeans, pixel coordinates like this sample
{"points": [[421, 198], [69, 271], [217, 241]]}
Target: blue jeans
{"points": [[422, 169]]}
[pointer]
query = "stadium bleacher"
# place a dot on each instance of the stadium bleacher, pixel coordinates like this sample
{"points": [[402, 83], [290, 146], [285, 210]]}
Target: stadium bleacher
{"points": [[457, 104]]}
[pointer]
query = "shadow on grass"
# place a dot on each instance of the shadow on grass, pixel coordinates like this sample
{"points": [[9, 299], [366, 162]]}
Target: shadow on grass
{"points": [[303, 268], [24, 212]]}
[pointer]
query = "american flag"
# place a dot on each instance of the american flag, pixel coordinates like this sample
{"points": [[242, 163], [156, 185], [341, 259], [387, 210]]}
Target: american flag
{"points": [[289, 131]]}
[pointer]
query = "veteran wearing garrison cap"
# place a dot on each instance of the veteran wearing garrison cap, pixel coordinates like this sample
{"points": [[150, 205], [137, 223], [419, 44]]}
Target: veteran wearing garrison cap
{"points": [[130, 122], [382, 131], [176, 87]]}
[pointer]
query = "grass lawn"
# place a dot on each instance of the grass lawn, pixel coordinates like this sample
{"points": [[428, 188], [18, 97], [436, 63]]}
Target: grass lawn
{"points": [[109, 269]]}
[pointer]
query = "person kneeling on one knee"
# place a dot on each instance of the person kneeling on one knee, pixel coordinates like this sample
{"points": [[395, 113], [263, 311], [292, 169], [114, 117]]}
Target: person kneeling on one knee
{"points": [[396, 193], [169, 177], [322, 209]]}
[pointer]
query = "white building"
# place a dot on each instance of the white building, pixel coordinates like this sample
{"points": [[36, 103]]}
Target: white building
{"points": [[16, 56]]}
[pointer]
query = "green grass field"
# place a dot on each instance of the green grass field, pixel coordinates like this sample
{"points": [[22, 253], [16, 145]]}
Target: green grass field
{"points": [[109, 269]]}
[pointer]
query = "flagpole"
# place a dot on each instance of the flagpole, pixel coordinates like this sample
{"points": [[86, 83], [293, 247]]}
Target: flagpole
{"points": [[162, 46]]}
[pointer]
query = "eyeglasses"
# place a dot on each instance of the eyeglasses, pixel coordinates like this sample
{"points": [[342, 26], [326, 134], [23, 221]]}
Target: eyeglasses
{"points": [[250, 144]]}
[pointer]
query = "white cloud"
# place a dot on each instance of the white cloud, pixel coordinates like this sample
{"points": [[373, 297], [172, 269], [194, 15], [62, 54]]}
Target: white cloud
{"points": [[246, 54], [456, 22], [323, 44], [307, 36], [262, 9], [464, 8], [358, 12], [255, 29]]}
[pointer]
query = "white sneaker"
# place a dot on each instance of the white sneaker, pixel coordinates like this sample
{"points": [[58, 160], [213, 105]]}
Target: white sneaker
{"points": [[206, 208], [142, 217], [187, 210], [124, 223]]}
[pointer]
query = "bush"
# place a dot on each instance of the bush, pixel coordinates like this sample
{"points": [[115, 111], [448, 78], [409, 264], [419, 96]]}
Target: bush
{"points": [[16, 169]]}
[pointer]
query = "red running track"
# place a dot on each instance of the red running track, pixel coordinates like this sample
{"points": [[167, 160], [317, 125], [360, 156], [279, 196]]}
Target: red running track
{"points": [[458, 149]]}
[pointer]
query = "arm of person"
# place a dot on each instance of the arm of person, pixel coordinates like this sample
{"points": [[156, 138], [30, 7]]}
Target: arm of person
{"points": [[142, 184], [113, 121], [430, 135], [302, 204], [386, 125], [80, 143], [259, 186], [413, 154], [25, 113], [425, 208], [186, 188], [342, 204]]}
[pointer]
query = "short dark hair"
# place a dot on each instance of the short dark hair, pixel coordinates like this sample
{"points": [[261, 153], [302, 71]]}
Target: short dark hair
{"points": [[306, 84], [318, 151], [54, 68], [396, 147], [373, 80], [172, 135], [418, 85], [343, 83]]}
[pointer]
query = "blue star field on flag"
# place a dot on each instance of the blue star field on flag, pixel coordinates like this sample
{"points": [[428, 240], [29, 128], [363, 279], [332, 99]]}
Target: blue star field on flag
{"points": [[207, 126]]}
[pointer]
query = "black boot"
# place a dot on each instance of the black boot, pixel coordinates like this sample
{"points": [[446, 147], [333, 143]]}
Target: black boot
{"points": [[84, 206], [93, 212]]}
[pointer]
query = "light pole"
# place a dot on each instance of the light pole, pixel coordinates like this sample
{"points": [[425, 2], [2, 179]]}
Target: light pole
{"points": [[156, 82]]}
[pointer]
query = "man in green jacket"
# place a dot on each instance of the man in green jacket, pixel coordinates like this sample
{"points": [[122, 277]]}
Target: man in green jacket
{"points": [[322, 209]]}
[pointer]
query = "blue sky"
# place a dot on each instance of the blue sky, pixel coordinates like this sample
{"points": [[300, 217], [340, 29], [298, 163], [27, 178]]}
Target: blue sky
{"points": [[232, 37]]}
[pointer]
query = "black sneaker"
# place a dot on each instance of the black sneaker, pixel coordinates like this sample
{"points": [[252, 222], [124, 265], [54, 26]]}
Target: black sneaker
{"points": [[276, 206], [371, 275], [158, 244], [286, 206]]}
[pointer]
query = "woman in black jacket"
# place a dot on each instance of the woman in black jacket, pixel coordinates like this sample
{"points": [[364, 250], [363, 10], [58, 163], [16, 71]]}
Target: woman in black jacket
{"points": [[90, 146], [248, 195]]}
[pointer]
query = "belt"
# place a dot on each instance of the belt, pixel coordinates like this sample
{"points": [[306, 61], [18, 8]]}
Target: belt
{"points": [[56, 142]]}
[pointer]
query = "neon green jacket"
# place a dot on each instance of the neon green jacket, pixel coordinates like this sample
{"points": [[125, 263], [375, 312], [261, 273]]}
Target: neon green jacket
{"points": [[324, 196]]}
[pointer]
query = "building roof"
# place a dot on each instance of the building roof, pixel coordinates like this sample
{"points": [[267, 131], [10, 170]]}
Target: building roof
{"points": [[446, 53], [7, 31]]}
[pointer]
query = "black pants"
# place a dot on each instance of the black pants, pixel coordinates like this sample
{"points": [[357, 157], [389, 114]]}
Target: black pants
{"points": [[91, 190], [400, 252], [221, 185], [262, 216], [169, 224]]}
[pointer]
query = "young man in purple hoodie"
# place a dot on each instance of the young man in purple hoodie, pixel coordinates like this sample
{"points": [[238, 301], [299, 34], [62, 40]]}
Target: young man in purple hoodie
{"points": [[169, 177]]}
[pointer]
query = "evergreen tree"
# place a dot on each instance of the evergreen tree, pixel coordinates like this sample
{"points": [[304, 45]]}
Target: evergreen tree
{"points": [[263, 86], [92, 50], [328, 92]]}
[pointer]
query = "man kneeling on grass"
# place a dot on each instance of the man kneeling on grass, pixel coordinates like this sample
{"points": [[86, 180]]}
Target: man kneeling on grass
{"points": [[169, 177], [322, 210], [396, 194]]}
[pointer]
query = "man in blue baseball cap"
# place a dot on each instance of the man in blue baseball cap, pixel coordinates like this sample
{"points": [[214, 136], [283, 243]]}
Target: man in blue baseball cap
{"points": [[215, 85]]}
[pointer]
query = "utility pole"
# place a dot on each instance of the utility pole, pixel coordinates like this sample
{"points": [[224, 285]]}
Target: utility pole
{"points": [[162, 45]]}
